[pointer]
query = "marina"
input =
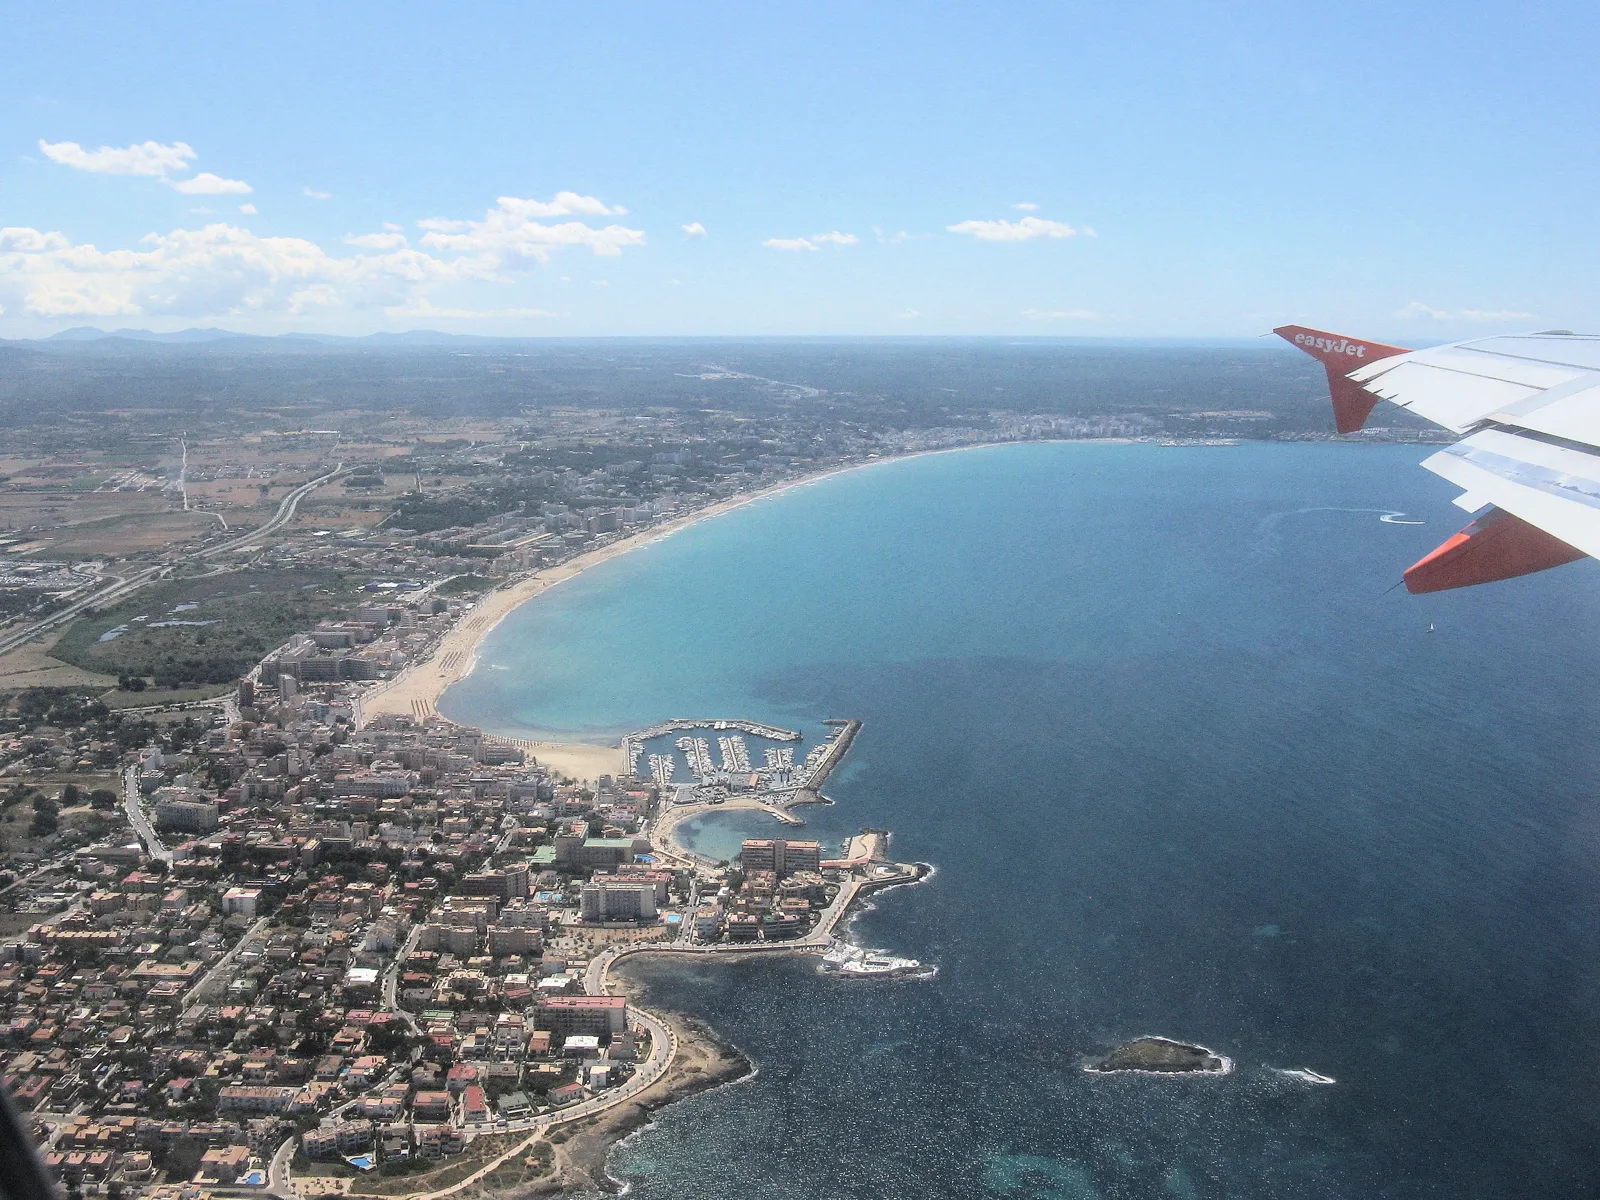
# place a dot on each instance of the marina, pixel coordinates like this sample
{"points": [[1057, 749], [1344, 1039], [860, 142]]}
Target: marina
{"points": [[633, 744], [728, 776]]}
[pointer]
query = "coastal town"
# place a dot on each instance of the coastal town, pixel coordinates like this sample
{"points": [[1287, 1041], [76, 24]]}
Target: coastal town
{"points": [[269, 923], [305, 936]]}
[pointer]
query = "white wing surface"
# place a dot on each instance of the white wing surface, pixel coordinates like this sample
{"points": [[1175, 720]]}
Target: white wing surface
{"points": [[1529, 407]]}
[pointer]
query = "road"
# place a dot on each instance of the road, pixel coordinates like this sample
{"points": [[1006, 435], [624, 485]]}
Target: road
{"points": [[141, 824], [391, 978], [192, 998], [120, 586], [278, 1171], [285, 514], [663, 1050]]}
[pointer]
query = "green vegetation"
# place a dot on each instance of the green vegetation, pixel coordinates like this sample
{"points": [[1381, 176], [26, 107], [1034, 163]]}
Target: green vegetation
{"points": [[246, 613], [462, 585], [428, 514]]}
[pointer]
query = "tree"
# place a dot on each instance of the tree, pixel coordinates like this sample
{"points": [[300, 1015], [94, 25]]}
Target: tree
{"points": [[103, 798], [71, 797]]}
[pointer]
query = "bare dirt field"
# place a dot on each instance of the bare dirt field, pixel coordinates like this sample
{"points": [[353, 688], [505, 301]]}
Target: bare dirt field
{"points": [[121, 536], [31, 666]]}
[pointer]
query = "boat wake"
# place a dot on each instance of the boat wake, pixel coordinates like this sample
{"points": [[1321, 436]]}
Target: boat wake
{"points": [[1269, 534], [1304, 1075]]}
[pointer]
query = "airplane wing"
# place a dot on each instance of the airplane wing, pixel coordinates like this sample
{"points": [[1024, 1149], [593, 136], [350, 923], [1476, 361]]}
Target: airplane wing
{"points": [[1528, 406]]}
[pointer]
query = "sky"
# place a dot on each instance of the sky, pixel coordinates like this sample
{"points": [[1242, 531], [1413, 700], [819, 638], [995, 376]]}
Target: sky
{"points": [[1405, 171]]}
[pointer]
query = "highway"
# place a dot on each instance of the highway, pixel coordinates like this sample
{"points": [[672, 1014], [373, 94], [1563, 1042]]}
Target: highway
{"points": [[285, 514], [120, 586]]}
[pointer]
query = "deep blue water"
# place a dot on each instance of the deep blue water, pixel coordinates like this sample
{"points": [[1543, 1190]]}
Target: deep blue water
{"points": [[1185, 768]]}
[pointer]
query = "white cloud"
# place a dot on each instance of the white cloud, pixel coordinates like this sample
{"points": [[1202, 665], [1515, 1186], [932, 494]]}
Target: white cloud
{"points": [[312, 192], [910, 314], [1025, 230], [565, 204], [224, 270], [1418, 309], [248, 210], [147, 158], [694, 229], [376, 241], [1026, 206], [424, 308], [1066, 314], [509, 235], [393, 228], [814, 242], [207, 184]]}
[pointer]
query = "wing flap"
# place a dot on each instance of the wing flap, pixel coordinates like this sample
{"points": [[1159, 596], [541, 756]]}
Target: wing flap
{"points": [[1497, 546], [1450, 398], [1554, 487], [1530, 405]]}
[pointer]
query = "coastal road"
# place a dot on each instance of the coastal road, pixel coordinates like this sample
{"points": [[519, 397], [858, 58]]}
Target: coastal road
{"points": [[663, 1051], [132, 805]]}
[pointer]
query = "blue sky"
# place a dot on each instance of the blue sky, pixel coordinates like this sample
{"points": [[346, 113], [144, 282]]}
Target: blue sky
{"points": [[1412, 171]]}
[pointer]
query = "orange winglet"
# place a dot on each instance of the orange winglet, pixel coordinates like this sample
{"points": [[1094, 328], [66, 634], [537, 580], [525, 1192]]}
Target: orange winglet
{"points": [[1352, 403], [1497, 545]]}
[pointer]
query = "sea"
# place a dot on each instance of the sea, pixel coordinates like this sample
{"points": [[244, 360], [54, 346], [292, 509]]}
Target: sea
{"points": [[1186, 763]]}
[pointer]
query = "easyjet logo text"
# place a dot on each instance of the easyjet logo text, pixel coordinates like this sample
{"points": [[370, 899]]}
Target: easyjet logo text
{"points": [[1329, 346]]}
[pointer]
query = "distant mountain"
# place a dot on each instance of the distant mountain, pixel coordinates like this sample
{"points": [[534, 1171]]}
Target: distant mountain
{"points": [[88, 333], [413, 337]]}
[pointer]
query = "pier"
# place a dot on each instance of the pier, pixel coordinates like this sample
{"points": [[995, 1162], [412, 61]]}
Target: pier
{"points": [[820, 763]]}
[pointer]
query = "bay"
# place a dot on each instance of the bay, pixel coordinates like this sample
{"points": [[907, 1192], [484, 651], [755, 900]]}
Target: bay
{"points": [[1185, 767]]}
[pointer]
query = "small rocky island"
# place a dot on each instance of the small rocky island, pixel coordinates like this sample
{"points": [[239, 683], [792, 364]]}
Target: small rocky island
{"points": [[1162, 1056]]}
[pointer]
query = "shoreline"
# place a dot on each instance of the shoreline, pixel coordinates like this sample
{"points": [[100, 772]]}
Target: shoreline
{"points": [[700, 1060], [417, 690], [704, 1062]]}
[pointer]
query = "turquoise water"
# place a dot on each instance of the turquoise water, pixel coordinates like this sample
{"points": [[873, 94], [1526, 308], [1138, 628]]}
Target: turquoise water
{"points": [[1186, 768]]}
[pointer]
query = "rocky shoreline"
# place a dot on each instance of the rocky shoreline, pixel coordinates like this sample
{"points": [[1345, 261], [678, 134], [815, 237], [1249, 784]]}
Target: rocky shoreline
{"points": [[1153, 1055], [705, 1061]]}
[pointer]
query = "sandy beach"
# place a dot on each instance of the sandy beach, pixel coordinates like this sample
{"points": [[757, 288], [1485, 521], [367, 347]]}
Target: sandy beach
{"points": [[415, 692]]}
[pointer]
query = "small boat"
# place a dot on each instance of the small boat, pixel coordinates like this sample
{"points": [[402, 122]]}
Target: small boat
{"points": [[855, 962]]}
